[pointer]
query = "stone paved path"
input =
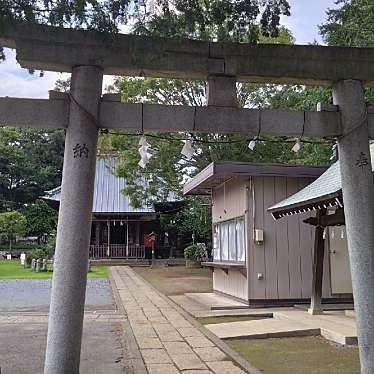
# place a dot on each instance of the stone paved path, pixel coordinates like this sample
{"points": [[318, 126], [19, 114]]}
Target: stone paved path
{"points": [[168, 342]]}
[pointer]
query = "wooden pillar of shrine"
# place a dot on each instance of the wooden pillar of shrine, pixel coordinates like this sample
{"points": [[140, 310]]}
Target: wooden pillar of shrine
{"points": [[318, 257], [97, 232]]}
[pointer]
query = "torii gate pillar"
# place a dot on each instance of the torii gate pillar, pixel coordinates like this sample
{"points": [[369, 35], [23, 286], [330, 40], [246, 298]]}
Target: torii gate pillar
{"points": [[74, 224], [358, 197]]}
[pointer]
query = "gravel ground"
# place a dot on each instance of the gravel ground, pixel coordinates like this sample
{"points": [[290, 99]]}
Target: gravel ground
{"points": [[22, 346], [24, 307], [31, 293]]}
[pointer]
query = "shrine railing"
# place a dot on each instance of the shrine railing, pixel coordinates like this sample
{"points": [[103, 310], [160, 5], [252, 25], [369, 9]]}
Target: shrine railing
{"points": [[132, 251]]}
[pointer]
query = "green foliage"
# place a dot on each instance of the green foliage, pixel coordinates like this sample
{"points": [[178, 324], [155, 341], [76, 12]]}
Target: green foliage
{"points": [[219, 19], [194, 219], [30, 163], [11, 224], [20, 246], [226, 19], [34, 255], [190, 252], [168, 170], [351, 24], [50, 245], [41, 218]]}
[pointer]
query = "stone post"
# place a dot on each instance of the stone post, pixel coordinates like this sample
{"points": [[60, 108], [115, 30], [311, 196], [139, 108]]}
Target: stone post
{"points": [[221, 91], [358, 198], [74, 224]]}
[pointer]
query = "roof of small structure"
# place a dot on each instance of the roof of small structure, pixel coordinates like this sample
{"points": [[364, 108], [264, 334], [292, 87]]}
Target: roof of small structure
{"points": [[218, 172], [326, 191], [108, 196]]}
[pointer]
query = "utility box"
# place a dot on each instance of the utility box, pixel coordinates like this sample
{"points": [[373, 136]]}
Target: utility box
{"points": [[259, 236]]}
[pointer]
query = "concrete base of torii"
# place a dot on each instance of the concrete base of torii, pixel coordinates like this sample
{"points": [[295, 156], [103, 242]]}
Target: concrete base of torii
{"points": [[358, 197], [74, 225]]}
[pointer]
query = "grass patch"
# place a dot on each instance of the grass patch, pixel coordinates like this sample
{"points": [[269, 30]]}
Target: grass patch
{"points": [[98, 272], [214, 320], [11, 269], [297, 355], [177, 280]]}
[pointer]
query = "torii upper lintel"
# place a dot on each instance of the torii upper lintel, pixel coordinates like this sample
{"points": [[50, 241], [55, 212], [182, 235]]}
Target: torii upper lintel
{"points": [[56, 49]]}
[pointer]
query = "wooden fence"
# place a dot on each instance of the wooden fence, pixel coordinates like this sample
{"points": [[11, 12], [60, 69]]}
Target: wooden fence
{"points": [[132, 251]]}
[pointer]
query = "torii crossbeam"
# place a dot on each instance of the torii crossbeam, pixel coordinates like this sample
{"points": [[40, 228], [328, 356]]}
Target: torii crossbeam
{"points": [[88, 55]]}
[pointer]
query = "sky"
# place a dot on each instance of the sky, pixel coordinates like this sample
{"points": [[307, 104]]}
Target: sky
{"points": [[305, 17]]}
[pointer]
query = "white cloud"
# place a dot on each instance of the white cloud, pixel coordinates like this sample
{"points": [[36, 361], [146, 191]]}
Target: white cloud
{"points": [[18, 82]]}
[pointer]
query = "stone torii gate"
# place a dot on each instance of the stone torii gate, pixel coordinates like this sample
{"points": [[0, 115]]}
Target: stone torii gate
{"points": [[88, 55]]}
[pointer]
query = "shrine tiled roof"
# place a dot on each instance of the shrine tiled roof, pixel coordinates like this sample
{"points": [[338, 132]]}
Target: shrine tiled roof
{"points": [[326, 191]]}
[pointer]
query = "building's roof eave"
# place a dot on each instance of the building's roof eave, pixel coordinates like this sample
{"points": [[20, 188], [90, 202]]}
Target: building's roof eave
{"points": [[326, 191], [218, 172]]}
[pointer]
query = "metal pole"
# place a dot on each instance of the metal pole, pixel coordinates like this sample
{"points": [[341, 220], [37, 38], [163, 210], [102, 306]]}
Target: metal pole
{"points": [[74, 225], [358, 198]]}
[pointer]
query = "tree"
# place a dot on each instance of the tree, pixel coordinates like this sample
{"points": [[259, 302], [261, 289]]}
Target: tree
{"points": [[223, 19], [194, 219], [168, 170], [350, 25], [30, 163], [233, 19], [191, 17], [11, 224], [41, 219]]}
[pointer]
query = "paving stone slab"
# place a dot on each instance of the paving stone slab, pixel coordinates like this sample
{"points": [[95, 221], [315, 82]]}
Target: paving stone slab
{"points": [[213, 300], [162, 369], [148, 343], [144, 332], [210, 354], [199, 341], [261, 329], [188, 361], [172, 337], [175, 348], [155, 356]]}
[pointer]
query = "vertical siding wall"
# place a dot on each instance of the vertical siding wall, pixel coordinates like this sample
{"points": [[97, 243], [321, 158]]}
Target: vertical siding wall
{"points": [[233, 283], [285, 258], [229, 201]]}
